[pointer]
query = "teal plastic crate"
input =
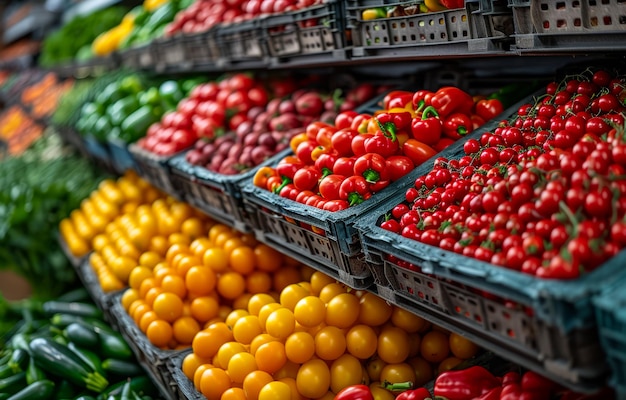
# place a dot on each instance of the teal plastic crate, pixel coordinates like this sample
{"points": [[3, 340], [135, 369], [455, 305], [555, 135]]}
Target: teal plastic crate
{"points": [[153, 168], [545, 325], [611, 317]]}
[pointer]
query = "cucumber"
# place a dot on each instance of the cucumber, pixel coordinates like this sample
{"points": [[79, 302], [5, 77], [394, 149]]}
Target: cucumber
{"points": [[113, 345], [40, 390], [121, 367], [63, 362], [65, 390], [89, 357], [19, 360], [5, 371], [75, 308], [33, 372], [81, 335], [62, 320], [13, 383], [141, 384]]}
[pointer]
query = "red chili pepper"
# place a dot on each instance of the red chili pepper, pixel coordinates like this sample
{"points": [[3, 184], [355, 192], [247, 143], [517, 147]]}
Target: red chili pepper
{"points": [[355, 190], [465, 384], [489, 108], [457, 125], [421, 100], [415, 394], [325, 163], [450, 99], [427, 129], [372, 167], [397, 99]]}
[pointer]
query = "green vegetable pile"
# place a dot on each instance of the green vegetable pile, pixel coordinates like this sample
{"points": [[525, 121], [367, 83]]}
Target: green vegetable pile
{"points": [[64, 349], [73, 40], [123, 108], [37, 190]]}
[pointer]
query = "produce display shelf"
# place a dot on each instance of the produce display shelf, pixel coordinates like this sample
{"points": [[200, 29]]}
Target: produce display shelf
{"points": [[152, 359], [544, 325], [83, 69], [217, 195], [170, 55], [609, 306], [241, 45], [201, 50], [141, 57]]}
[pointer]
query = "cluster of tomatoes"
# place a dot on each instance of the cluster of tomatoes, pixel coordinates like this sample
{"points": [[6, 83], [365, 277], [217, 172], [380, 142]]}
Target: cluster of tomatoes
{"points": [[210, 109], [336, 166], [313, 339], [203, 15], [543, 193]]}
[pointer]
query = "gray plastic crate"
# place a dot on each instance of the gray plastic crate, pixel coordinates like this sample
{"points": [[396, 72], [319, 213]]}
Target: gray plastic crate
{"points": [[201, 49], [152, 359], [170, 55], [183, 386], [139, 58], [291, 38], [543, 25], [482, 26], [241, 44], [153, 168], [611, 317], [121, 158]]}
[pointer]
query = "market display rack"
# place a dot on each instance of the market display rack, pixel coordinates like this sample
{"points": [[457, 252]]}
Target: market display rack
{"points": [[335, 33]]}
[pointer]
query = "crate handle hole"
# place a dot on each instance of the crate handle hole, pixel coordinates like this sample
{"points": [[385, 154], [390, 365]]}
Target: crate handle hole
{"points": [[430, 285], [578, 22], [607, 20], [413, 38], [421, 23], [511, 333], [442, 21], [506, 315], [421, 295], [410, 290], [543, 7], [478, 318], [434, 300], [411, 24], [457, 309]]}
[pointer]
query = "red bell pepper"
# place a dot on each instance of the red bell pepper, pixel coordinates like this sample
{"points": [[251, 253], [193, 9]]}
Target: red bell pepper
{"points": [[381, 144], [288, 166], [532, 381], [355, 190], [372, 167], [427, 129], [465, 384], [358, 143], [457, 125], [344, 166], [452, 4], [493, 394], [306, 178], [342, 141], [450, 99]]}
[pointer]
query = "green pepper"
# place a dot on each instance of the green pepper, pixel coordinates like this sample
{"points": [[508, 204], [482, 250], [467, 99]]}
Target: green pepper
{"points": [[171, 94], [150, 97], [136, 124], [118, 111]]}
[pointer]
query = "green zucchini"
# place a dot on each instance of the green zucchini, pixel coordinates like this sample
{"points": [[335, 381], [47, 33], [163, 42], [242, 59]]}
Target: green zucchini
{"points": [[78, 294], [122, 367], [126, 390], [40, 390], [19, 360], [63, 362], [113, 345], [65, 390], [89, 357], [62, 320], [81, 335], [140, 384], [13, 383], [4, 396], [85, 397], [6, 371], [33, 372], [74, 307]]}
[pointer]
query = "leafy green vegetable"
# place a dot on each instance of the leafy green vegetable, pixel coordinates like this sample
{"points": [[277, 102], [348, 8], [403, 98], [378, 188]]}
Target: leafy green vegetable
{"points": [[37, 190]]}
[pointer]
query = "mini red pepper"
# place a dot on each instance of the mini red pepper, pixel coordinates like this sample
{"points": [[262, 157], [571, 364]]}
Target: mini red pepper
{"points": [[415, 394], [397, 99], [465, 384], [329, 186], [306, 178], [532, 381], [355, 190], [325, 163], [335, 205], [288, 166], [428, 128], [457, 125], [450, 99], [355, 392], [421, 100], [488, 108], [372, 167]]}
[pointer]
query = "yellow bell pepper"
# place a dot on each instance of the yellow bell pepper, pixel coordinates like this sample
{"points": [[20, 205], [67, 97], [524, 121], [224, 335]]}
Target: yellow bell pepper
{"points": [[434, 5], [151, 5]]}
